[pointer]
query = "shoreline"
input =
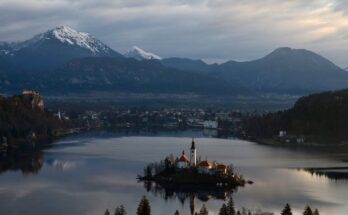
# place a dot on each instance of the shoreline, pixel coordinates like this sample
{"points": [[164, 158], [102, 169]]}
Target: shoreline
{"points": [[277, 142]]}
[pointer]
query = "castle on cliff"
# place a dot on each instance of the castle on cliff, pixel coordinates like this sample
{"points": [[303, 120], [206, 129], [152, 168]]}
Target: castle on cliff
{"points": [[34, 98]]}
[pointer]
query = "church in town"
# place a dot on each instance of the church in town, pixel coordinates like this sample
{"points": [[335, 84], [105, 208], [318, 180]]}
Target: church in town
{"points": [[203, 167]]}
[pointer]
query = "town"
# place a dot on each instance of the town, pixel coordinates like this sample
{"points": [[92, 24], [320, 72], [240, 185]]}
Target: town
{"points": [[139, 118]]}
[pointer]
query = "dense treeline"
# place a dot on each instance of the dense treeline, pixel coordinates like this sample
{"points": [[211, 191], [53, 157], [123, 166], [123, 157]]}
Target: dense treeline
{"points": [[317, 117], [21, 122], [228, 208]]}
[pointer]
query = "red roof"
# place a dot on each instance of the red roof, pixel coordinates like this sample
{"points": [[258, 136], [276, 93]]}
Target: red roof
{"points": [[221, 167], [204, 164], [183, 158]]}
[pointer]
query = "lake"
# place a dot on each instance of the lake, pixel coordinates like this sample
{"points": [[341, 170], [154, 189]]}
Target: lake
{"points": [[87, 173]]}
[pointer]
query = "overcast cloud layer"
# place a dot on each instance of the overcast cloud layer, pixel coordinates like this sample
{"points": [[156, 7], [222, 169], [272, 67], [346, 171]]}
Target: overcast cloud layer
{"points": [[215, 30]]}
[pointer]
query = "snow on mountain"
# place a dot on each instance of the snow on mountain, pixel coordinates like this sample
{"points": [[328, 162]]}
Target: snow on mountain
{"points": [[140, 54], [53, 49], [69, 36], [5, 49]]}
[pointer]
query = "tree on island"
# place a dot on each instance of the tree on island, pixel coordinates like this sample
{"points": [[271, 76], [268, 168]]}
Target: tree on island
{"points": [[308, 211], [120, 210], [148, 171], [177, 212], [144, 207], [286, 210], [169, 163], [204, 210]]}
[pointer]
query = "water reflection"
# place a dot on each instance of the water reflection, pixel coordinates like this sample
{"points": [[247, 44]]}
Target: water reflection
{"points": [[87, 173], [188, 193], [333, 173], [27, 161]]}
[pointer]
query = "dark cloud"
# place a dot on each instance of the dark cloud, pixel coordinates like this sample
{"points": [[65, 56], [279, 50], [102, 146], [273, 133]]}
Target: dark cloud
{"points": [[209, 29]]}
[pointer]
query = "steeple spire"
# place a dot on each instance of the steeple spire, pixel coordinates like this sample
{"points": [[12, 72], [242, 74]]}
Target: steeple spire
{"points": [[193, 156], [193, 145]]}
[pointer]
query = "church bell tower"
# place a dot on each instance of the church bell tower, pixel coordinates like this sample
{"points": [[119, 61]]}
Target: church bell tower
{"points": [[193, 156]]}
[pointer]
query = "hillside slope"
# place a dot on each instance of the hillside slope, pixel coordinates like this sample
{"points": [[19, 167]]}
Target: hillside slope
{"points": [[322, 118]]}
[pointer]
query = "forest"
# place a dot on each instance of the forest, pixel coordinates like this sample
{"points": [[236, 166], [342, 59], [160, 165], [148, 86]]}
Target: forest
{"points": [[21, 122], [319, 118]]}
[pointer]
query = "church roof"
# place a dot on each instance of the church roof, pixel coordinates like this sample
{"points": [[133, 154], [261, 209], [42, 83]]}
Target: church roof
{"points": [[221, 167], [183, 158], [204, 164]]}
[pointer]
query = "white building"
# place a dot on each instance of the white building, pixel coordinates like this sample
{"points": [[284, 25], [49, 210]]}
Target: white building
{"points": [[182, 162], [209, 124], [282, 133]]}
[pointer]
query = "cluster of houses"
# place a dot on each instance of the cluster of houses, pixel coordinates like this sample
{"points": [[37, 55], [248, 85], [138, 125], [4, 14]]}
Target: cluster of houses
{"points": [[285, 137], [203, 167]]}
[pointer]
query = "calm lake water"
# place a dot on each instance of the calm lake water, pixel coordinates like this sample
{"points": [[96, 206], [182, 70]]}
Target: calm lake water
{"points": [[88, 173]]}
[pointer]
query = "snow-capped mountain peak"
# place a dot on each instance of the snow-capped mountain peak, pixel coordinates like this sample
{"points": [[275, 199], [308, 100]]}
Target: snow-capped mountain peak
{"points": [[140, 54], [68, 36], [65, 34]]}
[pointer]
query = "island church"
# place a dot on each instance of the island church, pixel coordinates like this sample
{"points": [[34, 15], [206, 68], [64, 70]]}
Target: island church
{"points": [[203, 167]]}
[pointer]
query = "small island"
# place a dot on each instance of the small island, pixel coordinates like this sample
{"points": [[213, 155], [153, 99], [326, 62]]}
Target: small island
{"points": [[192, 172]]}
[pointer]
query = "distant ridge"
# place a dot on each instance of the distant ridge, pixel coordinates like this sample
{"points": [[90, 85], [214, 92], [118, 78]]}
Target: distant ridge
{"points": [[72, 61], [284, 71]]}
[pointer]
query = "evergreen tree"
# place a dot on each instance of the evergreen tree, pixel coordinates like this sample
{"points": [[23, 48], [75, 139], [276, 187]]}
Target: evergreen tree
{"points": [[144, 207], [286, 210], [230, 207], [148, 171], [107, 212], [244, 211], [308, 211], [203, 211], [120, 210], [316, 212], [223, 210], [177, 212], [238, 213]]}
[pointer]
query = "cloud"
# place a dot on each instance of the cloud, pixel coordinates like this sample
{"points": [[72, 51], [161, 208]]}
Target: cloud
{"points": [[208, 29]]}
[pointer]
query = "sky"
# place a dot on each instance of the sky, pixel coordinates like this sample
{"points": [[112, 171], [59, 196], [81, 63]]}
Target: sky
{"points": [[213, 30]]}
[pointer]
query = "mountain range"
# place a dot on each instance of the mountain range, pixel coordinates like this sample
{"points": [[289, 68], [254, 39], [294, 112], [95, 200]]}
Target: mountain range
{"points": [[65, 60]]}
